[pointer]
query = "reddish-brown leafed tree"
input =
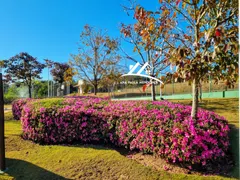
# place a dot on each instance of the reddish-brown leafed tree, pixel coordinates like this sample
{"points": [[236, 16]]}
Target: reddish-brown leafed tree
{"points": [[149, 36], [23, 67], [206, 42], [202, 39]]}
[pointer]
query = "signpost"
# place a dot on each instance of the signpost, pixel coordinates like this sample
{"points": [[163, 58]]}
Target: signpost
{"points": [[2, 140]]}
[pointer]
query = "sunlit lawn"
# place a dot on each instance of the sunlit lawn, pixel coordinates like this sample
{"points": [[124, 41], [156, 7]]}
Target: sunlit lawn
{"points": [[26, 160]]}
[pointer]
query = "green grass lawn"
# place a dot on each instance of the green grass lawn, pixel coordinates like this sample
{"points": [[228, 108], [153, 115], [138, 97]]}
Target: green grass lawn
{"points": [[26, 160]]}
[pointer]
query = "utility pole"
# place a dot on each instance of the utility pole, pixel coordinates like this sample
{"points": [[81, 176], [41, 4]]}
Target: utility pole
{"points": [[52, 89], [2, 140], [160, 86], [48, 83], [49, 65]]}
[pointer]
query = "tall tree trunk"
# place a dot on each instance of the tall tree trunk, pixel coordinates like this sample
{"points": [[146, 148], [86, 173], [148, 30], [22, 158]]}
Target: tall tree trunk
{"points": [[153, 92], [195, 98], [200, 91], [113, 87], [108, 89], [2, 138], [59, 90], [30, 91], [95, 89]]}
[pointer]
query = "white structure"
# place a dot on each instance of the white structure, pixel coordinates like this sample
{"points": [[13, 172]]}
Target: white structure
{"points": [[130, 73], [80, 83], [147, 70]]}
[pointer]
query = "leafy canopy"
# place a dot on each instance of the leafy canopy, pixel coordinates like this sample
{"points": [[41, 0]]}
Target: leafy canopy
{"points": [[206, 39], [61, 72], [23, 67]]}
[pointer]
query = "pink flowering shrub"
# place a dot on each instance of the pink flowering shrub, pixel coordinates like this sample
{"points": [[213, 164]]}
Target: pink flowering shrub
{"points": [[163, 128], [75, 119], [17, 106], [167, 130]]}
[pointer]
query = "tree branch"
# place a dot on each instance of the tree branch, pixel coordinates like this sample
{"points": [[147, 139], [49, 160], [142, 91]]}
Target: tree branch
{"points": [[189, 20], [225, 20]]}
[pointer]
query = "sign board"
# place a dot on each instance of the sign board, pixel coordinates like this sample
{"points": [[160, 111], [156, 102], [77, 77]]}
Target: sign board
{"points": [[145, 67]]}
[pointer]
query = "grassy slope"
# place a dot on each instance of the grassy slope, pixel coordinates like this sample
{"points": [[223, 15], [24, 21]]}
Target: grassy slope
{"points": [[26, 160], [229, 108]]}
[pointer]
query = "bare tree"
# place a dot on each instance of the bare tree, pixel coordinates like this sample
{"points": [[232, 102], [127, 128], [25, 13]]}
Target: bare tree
{"points": [[148, 40], [97, 54]]}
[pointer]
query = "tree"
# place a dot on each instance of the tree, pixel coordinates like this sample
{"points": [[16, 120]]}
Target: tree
{"points": [[1, 65], [206, 41], [97, 54], [86, 87], [6, 78], [69, 73], [149, 35], [25, 68], [40, 89], [11, 94], [61, 72], [110, 79], [49, 65]]}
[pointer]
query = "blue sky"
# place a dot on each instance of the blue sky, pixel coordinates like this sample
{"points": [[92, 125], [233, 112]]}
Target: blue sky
{"points": [[50, 29]]}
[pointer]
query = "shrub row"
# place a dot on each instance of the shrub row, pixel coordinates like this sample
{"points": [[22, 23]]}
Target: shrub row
{"points": [[17, 107], [163, 128], [18, 104], [168, 130]]}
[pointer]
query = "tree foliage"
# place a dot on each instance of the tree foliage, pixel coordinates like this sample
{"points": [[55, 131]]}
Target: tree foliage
{"points": [[1, 65], [40, 89], [112, 78], [202, 38], [97, 55], [10, 93], [24, 68], [149, 35], [60, 72], [69, 73], [49, 63], [206, 42]]}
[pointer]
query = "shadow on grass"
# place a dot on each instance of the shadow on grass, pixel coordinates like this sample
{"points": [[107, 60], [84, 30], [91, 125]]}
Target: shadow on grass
{"points": [[131, 95], [102, 146], [24, 170], [234, 149], [20, 169], [226, 167], [230, 110]]}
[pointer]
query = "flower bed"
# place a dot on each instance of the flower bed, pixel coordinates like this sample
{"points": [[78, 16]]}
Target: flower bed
{"points": [[17, 106], [167, 130], [163, 128], [75, 119]]}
